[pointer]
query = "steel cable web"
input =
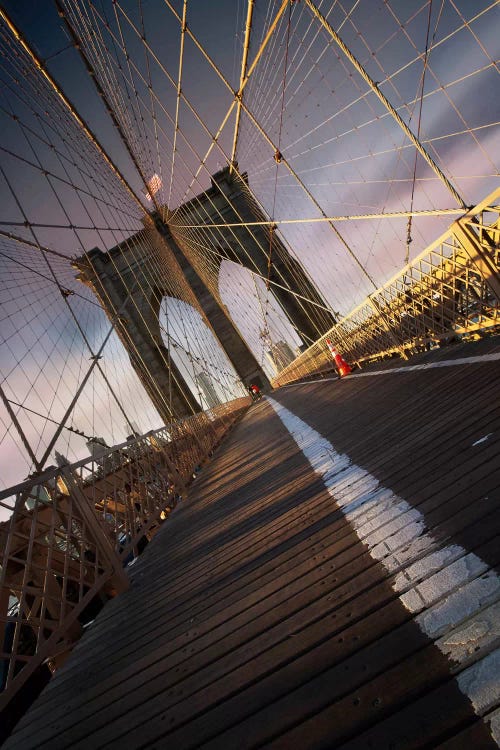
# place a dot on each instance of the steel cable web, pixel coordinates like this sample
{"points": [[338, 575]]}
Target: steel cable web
{"points": [[338, 172], [171, 80], [203, 161], [197, 196], [47, 343], [343, 157]]}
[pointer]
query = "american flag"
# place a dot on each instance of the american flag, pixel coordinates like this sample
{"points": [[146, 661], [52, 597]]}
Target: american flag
{"points": [[154, 184]]}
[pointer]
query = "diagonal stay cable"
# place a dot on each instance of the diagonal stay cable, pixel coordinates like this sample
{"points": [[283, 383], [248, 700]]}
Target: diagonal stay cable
{"points": [[79, 47], [178, 100], [376, 90], [214, 139], [67, 103], [264, 133]]}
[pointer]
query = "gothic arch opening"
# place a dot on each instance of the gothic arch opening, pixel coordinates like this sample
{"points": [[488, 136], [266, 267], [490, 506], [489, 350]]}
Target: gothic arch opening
{"points": [[197, 354], [259, 317]]}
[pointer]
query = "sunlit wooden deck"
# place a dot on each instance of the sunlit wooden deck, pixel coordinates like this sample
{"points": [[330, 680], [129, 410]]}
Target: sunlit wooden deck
{"points": [[258, 618]]}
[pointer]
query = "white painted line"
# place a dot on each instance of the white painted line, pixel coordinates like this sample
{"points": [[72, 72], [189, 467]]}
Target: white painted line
{"points": [[494, 357], [482, 440], [481, 682], [432, 365], [461, 644], [494, 721], [447, 588]]}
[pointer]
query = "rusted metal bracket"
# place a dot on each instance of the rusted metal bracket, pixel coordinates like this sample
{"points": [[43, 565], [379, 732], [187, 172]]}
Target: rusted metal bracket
{"points": [[106, 551], [383, 317], [478, 255]]}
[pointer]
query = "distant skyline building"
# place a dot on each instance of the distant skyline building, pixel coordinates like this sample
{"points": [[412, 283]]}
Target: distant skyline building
{"points": [[97, 448], [280, 355], [207, 389]]}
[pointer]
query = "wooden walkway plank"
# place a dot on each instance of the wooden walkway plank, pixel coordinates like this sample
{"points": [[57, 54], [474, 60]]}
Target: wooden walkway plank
{"points": [[462, 499], [475, 736], [249, 667], [199, 642], [256, 553], [258, 616]]}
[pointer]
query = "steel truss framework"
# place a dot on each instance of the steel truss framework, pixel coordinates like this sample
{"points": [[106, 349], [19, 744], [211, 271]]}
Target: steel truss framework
{"points": [[72, 529], [452, 288]]}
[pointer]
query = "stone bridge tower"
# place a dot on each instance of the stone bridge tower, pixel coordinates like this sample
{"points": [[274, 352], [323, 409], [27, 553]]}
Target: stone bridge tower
{"points": [[229, 200], [130, 281]]}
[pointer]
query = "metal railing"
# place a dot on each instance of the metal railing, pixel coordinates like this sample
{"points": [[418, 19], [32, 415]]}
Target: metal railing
{"points": [[73, 528], [451, 288]]}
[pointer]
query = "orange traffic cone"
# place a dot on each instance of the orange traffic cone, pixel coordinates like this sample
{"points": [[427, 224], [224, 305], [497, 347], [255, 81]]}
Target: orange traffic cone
{"points": [[342, 366]]}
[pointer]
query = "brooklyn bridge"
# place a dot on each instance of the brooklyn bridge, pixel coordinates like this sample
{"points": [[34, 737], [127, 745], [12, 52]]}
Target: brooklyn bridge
{"points": [[250, 354]]}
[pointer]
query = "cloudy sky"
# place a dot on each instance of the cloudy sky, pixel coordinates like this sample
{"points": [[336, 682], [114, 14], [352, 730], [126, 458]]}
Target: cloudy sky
{"points": [[343, 155]]}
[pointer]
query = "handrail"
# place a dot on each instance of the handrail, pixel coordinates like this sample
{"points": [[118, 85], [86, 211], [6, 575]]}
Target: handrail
{"points": [[451, 288], [73, 529]]}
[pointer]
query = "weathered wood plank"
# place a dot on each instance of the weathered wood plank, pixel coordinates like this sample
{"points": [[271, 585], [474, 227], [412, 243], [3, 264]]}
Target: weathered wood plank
{"points": [[257, 614]]}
